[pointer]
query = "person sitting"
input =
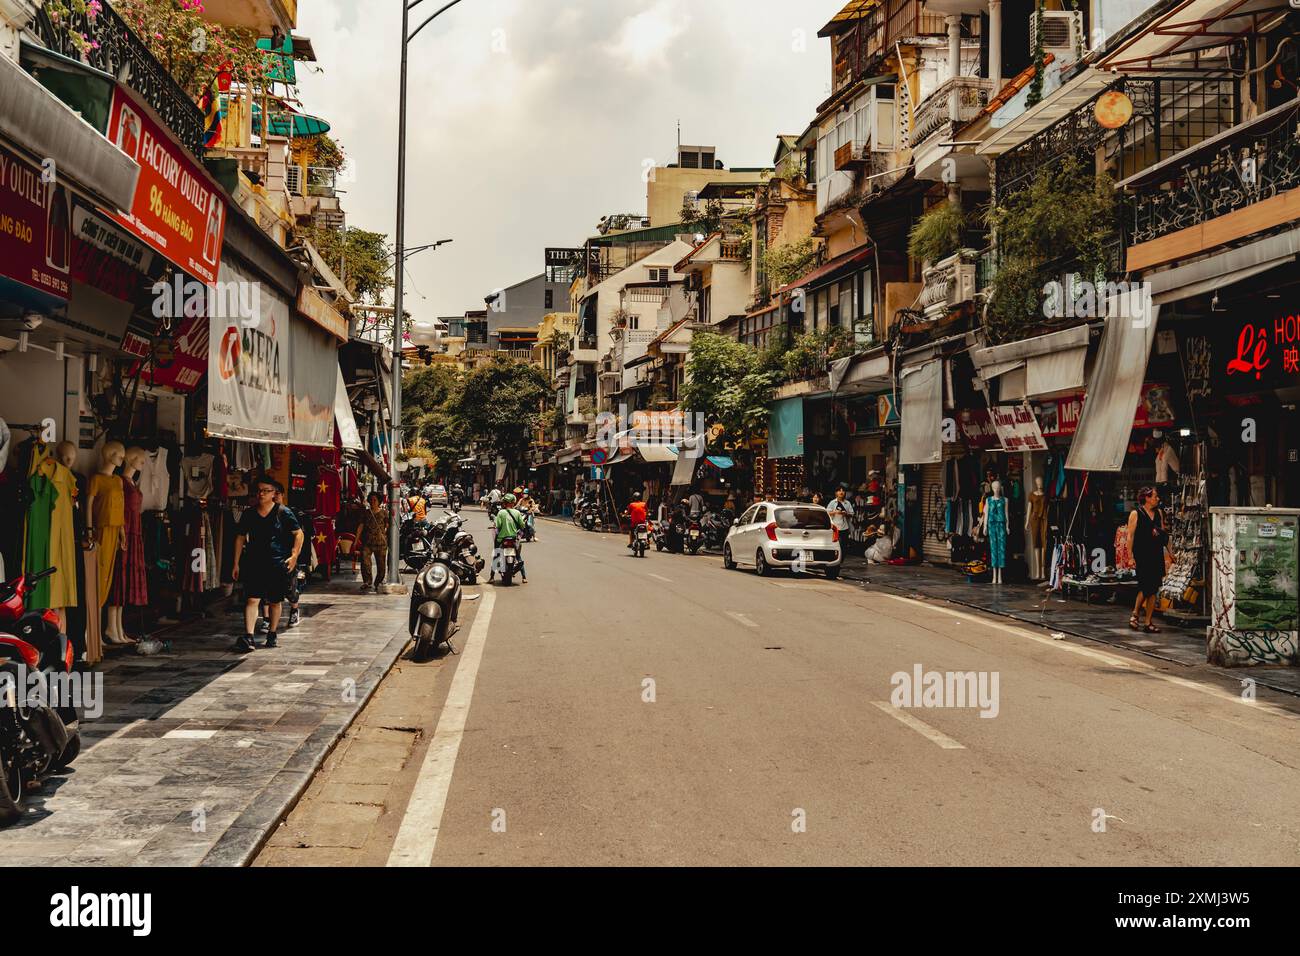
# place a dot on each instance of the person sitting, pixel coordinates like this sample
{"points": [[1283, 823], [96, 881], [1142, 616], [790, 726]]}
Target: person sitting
{"points": [[508, 522], [636, 515]]}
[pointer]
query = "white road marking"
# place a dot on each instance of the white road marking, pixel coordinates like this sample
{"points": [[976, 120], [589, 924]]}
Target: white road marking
{"points": [[418, 835], [920, 726], [1148, 669], [741, 618], [808, 586], [659, 577], [189, 734]]}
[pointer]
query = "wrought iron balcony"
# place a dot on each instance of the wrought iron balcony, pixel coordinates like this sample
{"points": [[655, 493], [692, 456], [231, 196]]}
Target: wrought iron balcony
{"points": [[1232, 171], [967, 95], [111, 45]]}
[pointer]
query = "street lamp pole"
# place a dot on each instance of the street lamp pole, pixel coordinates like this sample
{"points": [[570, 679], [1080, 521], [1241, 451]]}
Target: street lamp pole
{"points": [[395, 409]]}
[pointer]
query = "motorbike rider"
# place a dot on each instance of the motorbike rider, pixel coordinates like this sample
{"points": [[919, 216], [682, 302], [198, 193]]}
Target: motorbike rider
{"points": [[419, 509], [636, 515], [696, 505], [528, 507], [508, 522], [457, 494]]}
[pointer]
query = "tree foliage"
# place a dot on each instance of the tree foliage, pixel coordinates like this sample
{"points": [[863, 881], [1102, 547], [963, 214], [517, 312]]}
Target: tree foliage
{"points": [[362, 259], [937, 234], [731, 384], [788, 261], [500, 406], [811, 352], [1065, 216]]}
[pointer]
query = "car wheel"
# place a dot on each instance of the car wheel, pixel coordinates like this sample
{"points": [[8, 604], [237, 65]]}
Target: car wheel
{"points": [[832, 573], [728, 561], [760, 564]]}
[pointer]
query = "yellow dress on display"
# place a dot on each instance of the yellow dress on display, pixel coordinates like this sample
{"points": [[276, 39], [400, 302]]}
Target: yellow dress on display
{"points": [[109, 516], [63, 540]]}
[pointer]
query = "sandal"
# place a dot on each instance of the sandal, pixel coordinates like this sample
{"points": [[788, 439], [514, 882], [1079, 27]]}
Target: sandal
{"points": [[1133, 623], [1151, 629]]}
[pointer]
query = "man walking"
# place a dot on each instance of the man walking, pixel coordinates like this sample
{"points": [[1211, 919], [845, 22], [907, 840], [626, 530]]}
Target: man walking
{"points": [[841, 511], [372, 535], [267, 542]]}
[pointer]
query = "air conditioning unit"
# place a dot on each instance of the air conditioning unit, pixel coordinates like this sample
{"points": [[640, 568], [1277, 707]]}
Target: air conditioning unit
{"points": [[1062, 32]]}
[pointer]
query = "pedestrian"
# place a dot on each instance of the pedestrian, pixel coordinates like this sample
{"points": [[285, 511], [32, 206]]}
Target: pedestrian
{"points": [[696, 505], [817, 498], [841, 511], [268, 540], [372, 535], [294, 593], [1149, 543]]}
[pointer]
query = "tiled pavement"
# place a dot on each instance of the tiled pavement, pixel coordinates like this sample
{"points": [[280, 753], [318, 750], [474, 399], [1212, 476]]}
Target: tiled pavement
{"points": [[199, 751]]}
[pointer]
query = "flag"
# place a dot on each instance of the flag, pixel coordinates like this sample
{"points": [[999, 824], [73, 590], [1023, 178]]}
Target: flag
{"points": [[210, 104]]}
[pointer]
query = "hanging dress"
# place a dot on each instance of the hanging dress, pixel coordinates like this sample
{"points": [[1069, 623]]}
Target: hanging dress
{"points": [[39, 513], [130, 577]]}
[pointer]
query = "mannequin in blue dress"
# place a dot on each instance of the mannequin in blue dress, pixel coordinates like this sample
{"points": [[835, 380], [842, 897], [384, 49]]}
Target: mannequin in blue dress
{"points": [[995, 527]]}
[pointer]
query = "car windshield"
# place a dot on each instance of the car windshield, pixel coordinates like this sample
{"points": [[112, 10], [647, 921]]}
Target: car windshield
{"points": [[809, 517]]}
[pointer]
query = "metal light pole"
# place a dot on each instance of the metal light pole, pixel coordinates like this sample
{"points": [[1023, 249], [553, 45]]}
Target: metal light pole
{"points": [[395, 515]]}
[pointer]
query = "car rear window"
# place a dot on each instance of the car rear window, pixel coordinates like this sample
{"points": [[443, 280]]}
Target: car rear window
{"points": [[810, 517]]}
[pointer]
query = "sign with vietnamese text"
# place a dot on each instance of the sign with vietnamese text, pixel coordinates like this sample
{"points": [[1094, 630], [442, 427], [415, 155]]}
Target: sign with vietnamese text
{"points": [[35, 227], [175, 210], [1017, 428]]}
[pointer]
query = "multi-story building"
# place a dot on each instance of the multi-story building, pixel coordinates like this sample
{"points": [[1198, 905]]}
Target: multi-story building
{"points": [[669, 188]]}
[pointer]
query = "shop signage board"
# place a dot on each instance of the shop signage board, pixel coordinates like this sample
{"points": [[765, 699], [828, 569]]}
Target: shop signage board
{"points": [[248, 369], [1241, 356], [1017, 428], [977, 428], [1060, 416], [106, 256], [35, 228], [887, 412], [182, 363], [176, 210], [1255, 604]]}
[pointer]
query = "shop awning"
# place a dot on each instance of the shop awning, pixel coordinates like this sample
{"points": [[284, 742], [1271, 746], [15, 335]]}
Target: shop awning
{"points": [[565, 457], [373, 465], [920, 442], [861, 373], [1051, 363], [785, 429], [655, 453], [1171, 38], [471, 460], [1114, 390], [1224, 268], [622, 456], [721, 462], [344, 417], [688, 457]]}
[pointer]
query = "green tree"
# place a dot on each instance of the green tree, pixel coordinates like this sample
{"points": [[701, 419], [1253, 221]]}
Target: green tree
{"points": [[731, 384], [445, 436], [500, 406], [788, 261], [427, 389], [362, 259]]}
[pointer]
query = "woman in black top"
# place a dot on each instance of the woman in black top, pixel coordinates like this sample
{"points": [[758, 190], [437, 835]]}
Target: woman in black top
{"points": [[1149, 542]]}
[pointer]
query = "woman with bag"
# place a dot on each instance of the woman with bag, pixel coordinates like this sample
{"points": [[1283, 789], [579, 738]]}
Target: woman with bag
{"points": [[1149, 543]]}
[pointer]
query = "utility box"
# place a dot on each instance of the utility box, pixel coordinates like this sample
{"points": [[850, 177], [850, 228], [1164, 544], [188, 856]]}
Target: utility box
{"points": [[1255, 600]]}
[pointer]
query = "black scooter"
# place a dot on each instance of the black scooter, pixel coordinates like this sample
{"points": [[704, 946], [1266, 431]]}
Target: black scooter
{"points": [[435, 606]]}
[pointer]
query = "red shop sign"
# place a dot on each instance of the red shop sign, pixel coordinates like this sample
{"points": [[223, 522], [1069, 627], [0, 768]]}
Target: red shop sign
{"points": [[175, 210], [35, 227], [1060, 416]]}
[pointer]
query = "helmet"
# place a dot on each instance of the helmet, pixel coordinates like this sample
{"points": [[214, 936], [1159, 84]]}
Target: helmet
{"points": [[636, 496], [509, 499], [519, 491]]}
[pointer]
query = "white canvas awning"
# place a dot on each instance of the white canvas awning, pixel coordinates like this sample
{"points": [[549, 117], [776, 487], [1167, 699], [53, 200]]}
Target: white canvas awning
{"points": [[344, 418], [1114, 389], [921, 440], [655, 453], [1050, 363]]}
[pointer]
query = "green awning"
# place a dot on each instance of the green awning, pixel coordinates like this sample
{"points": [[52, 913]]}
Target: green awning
{"points": [[303, 124], [82, 87]]}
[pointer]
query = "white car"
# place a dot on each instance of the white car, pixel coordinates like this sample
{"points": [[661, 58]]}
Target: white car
{"points": [[438, 497], [784, 534]]}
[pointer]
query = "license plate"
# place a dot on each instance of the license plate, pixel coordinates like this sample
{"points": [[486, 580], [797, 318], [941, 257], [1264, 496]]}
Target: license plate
{"points": [[695, 534], [510, 552], [642, 536], [804, 555]]}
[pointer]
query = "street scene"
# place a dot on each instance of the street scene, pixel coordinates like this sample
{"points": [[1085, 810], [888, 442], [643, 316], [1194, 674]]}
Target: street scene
{"points": [[651, 434]]}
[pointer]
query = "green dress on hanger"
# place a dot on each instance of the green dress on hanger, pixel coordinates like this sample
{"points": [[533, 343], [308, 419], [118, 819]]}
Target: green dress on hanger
{"points": [[39, 515]]}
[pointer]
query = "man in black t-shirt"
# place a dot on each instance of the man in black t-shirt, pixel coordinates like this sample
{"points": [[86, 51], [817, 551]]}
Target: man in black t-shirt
{"points": [[267, 541]]}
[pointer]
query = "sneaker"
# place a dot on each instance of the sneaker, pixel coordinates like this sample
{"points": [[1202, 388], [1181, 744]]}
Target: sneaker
{"points": [[261, 625], [244, 645], [271, 639], [293, 617]]}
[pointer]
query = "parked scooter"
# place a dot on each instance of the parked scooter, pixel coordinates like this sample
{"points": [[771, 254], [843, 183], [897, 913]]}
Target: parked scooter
{"points": [[435, 607], [670, 534], [591, 516], [37, 734], [417, 549], [715, 525], [694, 536], [449, 537]]}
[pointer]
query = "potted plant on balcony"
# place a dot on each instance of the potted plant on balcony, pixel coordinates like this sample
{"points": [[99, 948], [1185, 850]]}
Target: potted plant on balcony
{"points": [[937, 234]]}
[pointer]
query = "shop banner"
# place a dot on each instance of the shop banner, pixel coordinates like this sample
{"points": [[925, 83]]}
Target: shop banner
{"points": [[1060, 416], [977, 428], [313, 375], [175, 211], [35, 227], [105, 256], [248, 365], [1017, 428], [1242, 356], [178, 362]]}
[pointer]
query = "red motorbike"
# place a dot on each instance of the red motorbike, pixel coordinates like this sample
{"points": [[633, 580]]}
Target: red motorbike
{"points": [[37, 733]]}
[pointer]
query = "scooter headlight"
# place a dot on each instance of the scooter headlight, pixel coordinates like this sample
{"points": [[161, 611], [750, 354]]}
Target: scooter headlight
{"points": [[435, 576]]}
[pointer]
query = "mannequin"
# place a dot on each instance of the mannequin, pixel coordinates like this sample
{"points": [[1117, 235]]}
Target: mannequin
{"points": [[995, 527], [105, 504], [1036, 530], [130, 582]]}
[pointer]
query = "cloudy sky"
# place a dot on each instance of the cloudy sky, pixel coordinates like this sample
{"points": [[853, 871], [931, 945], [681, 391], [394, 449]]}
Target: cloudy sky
{"points": [[530, 119]]}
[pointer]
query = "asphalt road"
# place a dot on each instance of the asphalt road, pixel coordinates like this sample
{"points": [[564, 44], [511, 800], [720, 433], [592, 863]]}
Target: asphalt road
{"points": [[665, 711]]}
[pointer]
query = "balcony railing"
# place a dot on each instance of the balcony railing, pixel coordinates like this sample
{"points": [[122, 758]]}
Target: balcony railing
{"points": [[733, 248], [1258, 162], [110, 45], [968, 94], [911, 19], [319, 182]]}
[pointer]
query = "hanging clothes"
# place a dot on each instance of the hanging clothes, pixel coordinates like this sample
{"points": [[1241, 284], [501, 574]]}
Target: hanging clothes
{"points": [[155, 481], [39, 514], [130, 576], [63, 556]]}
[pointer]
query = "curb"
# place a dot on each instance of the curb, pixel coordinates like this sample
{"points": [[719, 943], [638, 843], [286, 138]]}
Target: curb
{"points": [[858, 577], [246, 837]]}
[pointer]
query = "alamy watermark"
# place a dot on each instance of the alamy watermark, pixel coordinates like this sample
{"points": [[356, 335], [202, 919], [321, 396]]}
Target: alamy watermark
{"points": [[183, 297], [1078, 298], [80, 689], [921, 688], [680, 428]]}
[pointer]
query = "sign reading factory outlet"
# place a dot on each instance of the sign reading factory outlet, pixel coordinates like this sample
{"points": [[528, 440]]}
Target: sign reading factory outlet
{"points": [[175, 210], [35, 228]]}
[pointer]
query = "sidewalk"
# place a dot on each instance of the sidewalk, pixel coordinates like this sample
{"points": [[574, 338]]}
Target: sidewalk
{"points": [[200, 751], [1033, 604]]}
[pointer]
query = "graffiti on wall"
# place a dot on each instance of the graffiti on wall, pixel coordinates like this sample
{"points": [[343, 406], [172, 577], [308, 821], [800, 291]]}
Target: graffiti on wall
{"points": [[1248, 648]]}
